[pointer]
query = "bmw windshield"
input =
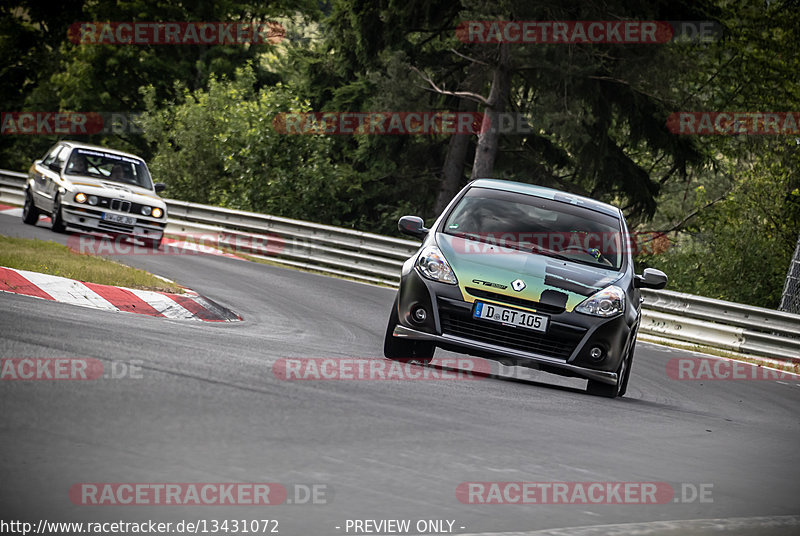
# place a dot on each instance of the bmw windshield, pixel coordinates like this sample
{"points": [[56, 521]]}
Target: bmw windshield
{"points": [[109, 167], [539, 226]]}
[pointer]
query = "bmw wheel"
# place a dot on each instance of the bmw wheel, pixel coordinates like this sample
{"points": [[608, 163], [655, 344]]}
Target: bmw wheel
{"points": [[154, 244], [57, 224], [30, 214]]}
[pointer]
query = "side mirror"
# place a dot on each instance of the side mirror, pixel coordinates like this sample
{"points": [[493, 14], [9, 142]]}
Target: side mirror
{"points": [[651, 278], [412, 226], [159, 187]]}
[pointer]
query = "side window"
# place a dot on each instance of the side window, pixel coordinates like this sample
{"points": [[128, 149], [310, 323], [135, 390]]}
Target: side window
{"points": [[52, 155]]}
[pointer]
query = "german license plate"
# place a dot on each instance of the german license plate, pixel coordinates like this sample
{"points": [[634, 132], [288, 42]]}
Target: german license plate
{"points": [[116, 218], [506, 315]]}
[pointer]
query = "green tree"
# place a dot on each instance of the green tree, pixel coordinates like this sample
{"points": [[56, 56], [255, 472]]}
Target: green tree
{"points": [[218, 146]]}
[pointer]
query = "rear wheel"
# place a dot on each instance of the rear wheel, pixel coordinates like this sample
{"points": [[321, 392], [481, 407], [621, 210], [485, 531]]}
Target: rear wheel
{"points": [[405, 349], [30, 214], [57, 224]]}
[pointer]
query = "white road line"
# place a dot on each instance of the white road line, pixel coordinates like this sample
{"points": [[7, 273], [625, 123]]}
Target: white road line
{"points": [[661, 528]]}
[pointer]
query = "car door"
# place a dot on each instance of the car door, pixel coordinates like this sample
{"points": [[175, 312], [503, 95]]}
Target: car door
{"points": [[45, 178], [54, 176]]}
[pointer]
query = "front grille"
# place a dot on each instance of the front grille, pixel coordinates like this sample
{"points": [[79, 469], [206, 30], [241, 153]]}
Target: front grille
{"points": [[558, 342], [120, 205], [513, 300]]}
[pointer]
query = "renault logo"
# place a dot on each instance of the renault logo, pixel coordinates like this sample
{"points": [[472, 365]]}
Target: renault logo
{"points": [[518, 285]]}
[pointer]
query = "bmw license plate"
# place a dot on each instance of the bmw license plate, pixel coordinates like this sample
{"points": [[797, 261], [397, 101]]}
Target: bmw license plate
{"points": [[116, 218], [513, 317]]}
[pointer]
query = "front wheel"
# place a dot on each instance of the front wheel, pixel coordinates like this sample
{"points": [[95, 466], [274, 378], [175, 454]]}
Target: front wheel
{"points": [[30, 214], [597, 388], [153, 243], [405, 349], [57, 221]]}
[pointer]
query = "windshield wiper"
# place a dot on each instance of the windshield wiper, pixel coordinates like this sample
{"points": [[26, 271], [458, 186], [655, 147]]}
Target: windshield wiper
{"points": [[550, 253]]}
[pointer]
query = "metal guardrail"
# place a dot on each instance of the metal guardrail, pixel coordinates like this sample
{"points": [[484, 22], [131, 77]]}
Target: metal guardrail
{"points": [[377, 259]]}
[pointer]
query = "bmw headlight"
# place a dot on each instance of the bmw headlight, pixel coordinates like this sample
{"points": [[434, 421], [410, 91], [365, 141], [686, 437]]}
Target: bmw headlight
{"points": [[80, 197], [607, 302], [146, 211], [432, 264], [157, 212]]}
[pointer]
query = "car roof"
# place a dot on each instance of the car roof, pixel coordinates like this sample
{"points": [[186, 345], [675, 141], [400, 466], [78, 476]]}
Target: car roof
{"points": [[548, 193], [79, 145]]}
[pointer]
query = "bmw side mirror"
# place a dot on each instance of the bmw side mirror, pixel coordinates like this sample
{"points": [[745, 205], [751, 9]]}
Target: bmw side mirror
{"points": [[412, 226], [159, 187], [651, 278]]}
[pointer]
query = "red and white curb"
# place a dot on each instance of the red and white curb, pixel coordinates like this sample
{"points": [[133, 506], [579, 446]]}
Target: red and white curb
{"points": [[8, 210], [187, 306]]}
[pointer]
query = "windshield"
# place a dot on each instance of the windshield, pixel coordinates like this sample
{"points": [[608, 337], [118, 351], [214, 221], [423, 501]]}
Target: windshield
{"points": [[539, 226], [110, 167]]}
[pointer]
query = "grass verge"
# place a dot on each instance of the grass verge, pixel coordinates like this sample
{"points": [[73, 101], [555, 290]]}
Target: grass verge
{"points": [[56, 259]]}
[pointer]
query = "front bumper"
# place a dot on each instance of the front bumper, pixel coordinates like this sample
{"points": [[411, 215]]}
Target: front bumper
{"points": [[491, 349], [86, 219], [564, 349]]}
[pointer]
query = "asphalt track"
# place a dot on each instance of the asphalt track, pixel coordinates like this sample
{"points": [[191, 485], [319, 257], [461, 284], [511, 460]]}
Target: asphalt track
{"points": [[206, 407]]}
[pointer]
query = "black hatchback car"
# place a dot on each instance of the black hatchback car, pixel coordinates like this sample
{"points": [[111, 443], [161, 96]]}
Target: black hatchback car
{"points": [[525, 275]]}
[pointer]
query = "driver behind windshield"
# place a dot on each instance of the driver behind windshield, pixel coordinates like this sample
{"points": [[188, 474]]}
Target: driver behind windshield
{"points": [[77, 165]]}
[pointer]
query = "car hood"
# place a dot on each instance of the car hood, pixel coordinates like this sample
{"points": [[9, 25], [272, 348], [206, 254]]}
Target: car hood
{"points": [[553, 282], [107, 188]]}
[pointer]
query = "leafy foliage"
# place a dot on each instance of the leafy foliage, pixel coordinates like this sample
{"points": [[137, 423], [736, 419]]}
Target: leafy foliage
{"points": [[598, 115]]}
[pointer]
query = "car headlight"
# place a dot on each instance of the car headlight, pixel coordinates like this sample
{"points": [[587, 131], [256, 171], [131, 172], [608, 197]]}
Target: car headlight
{"points": [[80, 197], [146, 211], [93, 200], [607, 302], [157, 212], [432, 264]]}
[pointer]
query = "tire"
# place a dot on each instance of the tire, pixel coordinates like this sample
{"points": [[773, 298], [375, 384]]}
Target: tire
{"points": [[30, 214], [404, 349], [155, 245], [57, 224], [623, 388], [598, 388]]}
